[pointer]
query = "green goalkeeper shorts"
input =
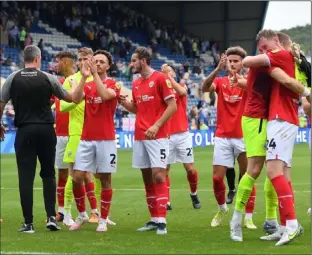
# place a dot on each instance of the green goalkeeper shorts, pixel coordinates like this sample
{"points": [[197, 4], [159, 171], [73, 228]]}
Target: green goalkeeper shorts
{"points": [[71, 148], [255, 136]]}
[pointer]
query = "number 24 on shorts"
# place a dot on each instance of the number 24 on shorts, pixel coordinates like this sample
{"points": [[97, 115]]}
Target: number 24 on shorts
{"points": [[270, 144]]}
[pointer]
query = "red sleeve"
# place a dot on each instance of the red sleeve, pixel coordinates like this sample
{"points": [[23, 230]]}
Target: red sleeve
{"points": [[165, 87], [116, 86], [182, 84], [87, 88], [217, 82], [133, 96], [279, 59]]}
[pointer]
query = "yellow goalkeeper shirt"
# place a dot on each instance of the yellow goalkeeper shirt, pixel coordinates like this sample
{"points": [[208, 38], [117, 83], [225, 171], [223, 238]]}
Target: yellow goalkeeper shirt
{"points": [[76, 111]]}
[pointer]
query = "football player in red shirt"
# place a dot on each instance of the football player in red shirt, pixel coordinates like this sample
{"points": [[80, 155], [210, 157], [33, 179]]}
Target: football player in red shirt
{"points": [[180, 144], [65, 65], [282, 123], [154, 104], [229, 142], [97, 151]]}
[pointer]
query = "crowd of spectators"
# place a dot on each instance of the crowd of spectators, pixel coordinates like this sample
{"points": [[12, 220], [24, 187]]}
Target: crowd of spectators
{"points": [[99, 24]]}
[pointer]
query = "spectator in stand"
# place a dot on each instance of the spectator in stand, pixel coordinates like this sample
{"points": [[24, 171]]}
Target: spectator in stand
{"points": [[193, 125], [40, 46], [127, 45], [10, 114], [186, 66], [193, 87], [2, 58], [118, 116], [194, 115], [180, 73], [28, 40], [113, 70], [196, 67], [9, 24], [22, 38], [205, 46], [7, 62], [36, 16], [13, 37], [202, 125], [195, 48]]}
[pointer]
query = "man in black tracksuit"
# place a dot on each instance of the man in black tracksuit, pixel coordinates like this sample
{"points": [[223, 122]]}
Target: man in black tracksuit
{"points": [[30, 91]]}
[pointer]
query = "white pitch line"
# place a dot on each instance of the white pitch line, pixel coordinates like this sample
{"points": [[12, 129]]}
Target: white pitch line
{"points": [[134, 189]]}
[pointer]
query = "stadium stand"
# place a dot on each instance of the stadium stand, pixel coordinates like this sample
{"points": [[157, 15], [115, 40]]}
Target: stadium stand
{"points": [[120, 32]]}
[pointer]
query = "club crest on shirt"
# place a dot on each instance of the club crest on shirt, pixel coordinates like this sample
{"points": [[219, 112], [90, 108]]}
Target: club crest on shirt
{"points": [[275, 51], [118, 85], [151, 84], [168, 82]]}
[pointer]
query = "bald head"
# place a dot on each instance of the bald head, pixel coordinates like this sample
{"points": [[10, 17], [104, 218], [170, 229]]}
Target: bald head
{"points": [[31, 52]]}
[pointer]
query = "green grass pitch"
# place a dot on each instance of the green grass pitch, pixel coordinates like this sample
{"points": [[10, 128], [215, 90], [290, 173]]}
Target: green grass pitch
{"points": [[189, 230]]}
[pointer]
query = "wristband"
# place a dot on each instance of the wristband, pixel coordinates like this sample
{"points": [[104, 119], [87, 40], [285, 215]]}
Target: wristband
{"points": [[306, 92]]}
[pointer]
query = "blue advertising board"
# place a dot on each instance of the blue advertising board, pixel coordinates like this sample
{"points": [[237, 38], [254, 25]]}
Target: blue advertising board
{"points": [[124, 139]]}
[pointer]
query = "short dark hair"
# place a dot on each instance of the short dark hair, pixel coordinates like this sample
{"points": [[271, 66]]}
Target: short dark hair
{"points": [[283, 37], [266, 33], [236, 50], [143, 52], [173, 68], [85, 51], [65, 54], [31, 52], [107, 54]]}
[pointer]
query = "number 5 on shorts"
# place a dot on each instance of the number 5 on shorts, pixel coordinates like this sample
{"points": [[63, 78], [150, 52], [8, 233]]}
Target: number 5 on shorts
{"points": [[162, 154]]}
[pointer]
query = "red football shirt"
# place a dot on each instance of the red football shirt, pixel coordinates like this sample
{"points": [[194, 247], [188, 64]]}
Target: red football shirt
{"points": [[259, 85], [61, 119], [284, 102], [149, 96], [99, 114], [231, 103], [179, 122]]}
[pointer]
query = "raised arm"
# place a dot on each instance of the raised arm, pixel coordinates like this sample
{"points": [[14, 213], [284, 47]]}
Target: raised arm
{"points": [[256, 61], [208, 85], [104, 92], [280, 76], [181, 90], [238, 80], [77, 89], [58, 89], [65, 106]]}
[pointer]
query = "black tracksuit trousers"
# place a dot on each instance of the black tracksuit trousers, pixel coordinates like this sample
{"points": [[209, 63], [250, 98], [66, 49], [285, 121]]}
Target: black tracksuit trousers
{"points": [[36, 141]]}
